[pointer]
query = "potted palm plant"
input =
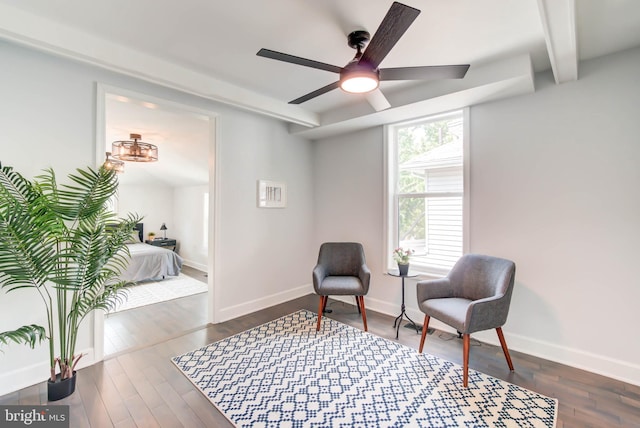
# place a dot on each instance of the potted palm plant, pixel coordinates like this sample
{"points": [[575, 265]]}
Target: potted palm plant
{"points": [[62, 242]]}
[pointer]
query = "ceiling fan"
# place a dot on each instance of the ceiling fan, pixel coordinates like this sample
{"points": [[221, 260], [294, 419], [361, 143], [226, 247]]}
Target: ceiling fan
{"points": [[361, 74]]}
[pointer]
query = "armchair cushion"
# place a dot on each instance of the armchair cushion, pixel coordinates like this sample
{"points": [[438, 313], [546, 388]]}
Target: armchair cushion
{"points": [[451, 311], [342, 286]]}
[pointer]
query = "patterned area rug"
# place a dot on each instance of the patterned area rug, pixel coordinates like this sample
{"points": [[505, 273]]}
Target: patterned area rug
{"points": [[150, 292], [285, 374]]}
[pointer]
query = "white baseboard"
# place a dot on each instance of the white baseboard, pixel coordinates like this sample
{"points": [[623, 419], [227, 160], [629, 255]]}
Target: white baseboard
{"points": [[613, 368], [610, 367], [37, 373], [195, 265], [245, 308]]}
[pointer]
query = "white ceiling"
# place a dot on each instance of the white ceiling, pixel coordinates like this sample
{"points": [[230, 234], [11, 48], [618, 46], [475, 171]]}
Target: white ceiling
{"points": [[182, 138], [209, 48]]}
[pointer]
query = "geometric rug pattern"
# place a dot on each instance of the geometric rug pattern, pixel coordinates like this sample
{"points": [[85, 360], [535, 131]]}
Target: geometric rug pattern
{"points": [[150, 292], [285, 374]]}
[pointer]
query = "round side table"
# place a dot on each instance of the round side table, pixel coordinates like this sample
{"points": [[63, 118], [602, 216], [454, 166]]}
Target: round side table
{"points": [[403, 312]]}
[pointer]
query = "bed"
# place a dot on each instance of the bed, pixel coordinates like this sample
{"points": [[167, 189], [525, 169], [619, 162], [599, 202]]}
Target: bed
{"points": [[149, 262]]}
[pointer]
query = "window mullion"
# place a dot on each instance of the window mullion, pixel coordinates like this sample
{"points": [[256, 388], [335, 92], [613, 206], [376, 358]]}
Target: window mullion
{"points": [[431, 195]]}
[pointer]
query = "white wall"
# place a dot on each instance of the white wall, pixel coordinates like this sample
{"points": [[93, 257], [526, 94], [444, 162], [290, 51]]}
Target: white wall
{"points": [[553, 178], [188, 225], [47, 119], [154, 203], [268, 252]]}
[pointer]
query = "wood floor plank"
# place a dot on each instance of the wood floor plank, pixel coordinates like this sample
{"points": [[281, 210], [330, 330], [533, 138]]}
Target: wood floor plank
{"points": [[203, 408], [114, 402], [180, 408], [129, 423], [77, 410], [135, 371], [140, 413], [10, 398], [35, 394], [95, 409], [120, 379], [166, 417]]}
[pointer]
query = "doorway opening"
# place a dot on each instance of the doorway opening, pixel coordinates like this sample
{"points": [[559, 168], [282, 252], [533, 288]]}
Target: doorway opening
{"points": [[175, 198]]}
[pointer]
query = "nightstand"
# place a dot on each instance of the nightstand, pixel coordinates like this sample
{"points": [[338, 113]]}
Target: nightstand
{"points": [[169, 244]]}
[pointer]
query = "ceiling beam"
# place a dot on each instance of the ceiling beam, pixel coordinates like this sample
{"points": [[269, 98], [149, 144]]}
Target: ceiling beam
{"points": [[48, 36], [559, 24]]}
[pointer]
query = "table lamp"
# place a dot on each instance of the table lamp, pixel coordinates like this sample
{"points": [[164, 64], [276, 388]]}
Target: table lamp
{"points": [[163, 228]]}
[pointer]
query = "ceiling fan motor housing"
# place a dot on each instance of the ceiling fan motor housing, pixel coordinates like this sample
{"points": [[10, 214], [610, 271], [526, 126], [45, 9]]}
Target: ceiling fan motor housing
{"points": [[358, 39]]}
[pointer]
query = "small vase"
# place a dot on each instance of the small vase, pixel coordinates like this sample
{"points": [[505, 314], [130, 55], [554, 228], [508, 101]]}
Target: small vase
{"points": [[61, 388], [403, 269]]}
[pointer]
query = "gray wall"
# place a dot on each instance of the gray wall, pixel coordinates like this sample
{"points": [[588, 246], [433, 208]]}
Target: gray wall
{"points": [[553, 178]]}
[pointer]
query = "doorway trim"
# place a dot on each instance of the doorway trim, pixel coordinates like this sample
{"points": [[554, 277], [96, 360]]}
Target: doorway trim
{"points": [[102, 90]]}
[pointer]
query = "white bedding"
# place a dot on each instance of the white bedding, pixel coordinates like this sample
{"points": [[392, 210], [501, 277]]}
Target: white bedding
{"points": [[151, 263]]}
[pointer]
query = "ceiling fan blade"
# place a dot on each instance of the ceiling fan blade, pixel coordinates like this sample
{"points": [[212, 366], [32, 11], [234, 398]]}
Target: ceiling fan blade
{"points": [[377, 100], [267, 53], [393, 26], [429, 72], [315, 93]]}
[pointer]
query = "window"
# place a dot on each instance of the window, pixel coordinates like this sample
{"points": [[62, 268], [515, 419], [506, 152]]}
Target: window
{"points": [[426, 191]]}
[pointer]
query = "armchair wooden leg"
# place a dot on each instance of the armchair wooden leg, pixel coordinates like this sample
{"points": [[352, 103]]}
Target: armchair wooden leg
{"points": [[364, 312], [321, 306], [425, 329], [504, 347], [466, 340], [358, 304]]}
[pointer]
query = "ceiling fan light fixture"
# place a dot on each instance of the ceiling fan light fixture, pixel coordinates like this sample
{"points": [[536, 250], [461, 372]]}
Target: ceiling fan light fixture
{"points": [[135, 150], [358, 80]]}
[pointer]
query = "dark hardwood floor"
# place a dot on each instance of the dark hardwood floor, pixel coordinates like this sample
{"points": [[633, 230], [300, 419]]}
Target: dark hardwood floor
{"points": [[147, 325], [140, 387]]}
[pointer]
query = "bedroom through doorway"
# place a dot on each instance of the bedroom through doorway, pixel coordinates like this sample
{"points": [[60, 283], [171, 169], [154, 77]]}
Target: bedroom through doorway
{"points": [[174, 281]]}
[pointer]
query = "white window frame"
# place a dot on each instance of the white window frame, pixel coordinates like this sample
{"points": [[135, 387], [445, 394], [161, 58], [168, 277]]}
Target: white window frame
{"points": [[391, 198]]}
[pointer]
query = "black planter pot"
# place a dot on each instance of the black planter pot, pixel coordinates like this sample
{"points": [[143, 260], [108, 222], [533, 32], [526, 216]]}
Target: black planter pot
{"points": [[61, 388], [403, 269]]}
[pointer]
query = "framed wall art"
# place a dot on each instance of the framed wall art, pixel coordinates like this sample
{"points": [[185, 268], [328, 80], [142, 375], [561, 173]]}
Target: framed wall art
{"points": [[272, 194]]}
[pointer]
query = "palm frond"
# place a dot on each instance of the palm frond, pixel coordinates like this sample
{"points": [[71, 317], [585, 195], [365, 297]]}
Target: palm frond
{"points": [[28, 232], [86, 198], [28, 335], [107, 298]]}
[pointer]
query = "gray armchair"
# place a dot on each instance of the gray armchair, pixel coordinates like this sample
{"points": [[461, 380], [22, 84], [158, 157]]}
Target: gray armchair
{"points": [[341, 271], [474, 296]]}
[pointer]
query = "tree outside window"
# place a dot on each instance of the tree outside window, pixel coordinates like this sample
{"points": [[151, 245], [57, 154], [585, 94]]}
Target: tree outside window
{"points": [[427, 177]]}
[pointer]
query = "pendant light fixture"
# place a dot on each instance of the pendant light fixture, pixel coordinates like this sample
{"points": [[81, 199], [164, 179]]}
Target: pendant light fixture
{"points": [[135, 150], [113, 164]]}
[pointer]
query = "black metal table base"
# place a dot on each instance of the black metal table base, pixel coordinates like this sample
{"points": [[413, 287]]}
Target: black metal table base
{"points": [[398, 322], [403, 312]]}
